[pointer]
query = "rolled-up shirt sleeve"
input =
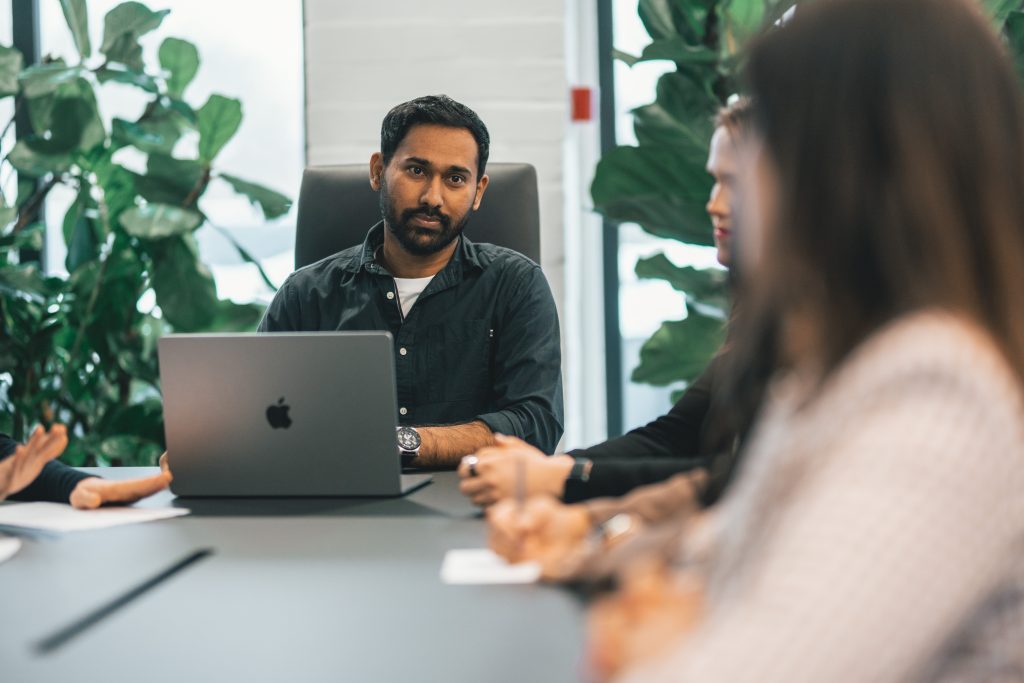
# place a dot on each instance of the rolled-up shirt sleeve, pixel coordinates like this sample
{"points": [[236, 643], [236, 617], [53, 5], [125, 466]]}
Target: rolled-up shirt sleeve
{"points": [[527, 369]]}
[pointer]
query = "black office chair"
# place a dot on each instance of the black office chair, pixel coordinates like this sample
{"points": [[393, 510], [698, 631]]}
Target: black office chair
{"points": [[337, 207]]}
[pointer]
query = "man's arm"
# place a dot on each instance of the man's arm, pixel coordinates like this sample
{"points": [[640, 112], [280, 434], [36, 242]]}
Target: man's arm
{"points": [[284, 312], [527, 390], [443, 447]]}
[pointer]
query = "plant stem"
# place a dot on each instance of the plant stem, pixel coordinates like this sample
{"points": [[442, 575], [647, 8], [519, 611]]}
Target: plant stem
{"points": [[30, 209], [195, 192]]}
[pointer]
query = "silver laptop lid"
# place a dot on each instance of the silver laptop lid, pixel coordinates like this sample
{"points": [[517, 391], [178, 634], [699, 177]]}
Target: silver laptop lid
{"points": [[294, 414]]}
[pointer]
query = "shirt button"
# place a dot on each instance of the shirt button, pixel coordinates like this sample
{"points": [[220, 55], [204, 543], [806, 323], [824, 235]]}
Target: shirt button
{"points": [[391, 295], [403, 411], [403, 351]]}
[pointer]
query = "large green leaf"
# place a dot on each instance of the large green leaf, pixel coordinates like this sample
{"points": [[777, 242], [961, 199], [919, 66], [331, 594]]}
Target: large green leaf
{"points": [[80, 236], [218, 121], [127, 77], [742, 19], [168, 180], [77, 16], [157, 221], [165, 123], [75, 123], [143, 419], [27, 282], [661, 188], [10, 66], [68, 115], [677, 50], [129, 133], [679, 350], [122, 27], [999, 10], [682, 116], [185, 290], [656, 16], [273, 204], [36, 164], [704, 286], [118, 185], [44, 79], [180, 59], [1015, 38]]}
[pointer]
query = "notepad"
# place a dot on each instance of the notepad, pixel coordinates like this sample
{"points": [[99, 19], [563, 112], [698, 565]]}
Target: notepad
{"points": [[481, 566], [8, 547], [63, 518]]}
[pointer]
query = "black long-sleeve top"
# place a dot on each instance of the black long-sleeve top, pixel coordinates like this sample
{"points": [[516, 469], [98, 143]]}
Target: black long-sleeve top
{"points": [[675, 442], [53, 485]]}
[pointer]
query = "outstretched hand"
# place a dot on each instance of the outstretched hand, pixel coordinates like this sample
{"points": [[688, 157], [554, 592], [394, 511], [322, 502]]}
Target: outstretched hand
{"points": [[24, 465], [93, 492]]}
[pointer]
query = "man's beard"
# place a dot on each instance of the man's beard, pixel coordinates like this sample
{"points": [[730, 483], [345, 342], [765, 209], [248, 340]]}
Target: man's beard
{"points": [[411, 237]]}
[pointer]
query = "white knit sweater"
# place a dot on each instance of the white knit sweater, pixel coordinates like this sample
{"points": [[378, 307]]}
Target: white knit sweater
{"points": [[876, 530]]}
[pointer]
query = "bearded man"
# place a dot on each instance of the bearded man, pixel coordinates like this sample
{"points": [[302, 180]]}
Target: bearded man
{"points": [[477, 349]]}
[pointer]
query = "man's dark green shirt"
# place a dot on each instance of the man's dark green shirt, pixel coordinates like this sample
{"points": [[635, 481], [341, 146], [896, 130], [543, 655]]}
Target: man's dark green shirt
{"points": [[480, 343]]}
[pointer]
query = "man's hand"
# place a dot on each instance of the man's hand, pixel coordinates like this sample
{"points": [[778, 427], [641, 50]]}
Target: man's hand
{"points": [[24, 465], [496, 471], [92, 493], [650, 612], [543, 530]]}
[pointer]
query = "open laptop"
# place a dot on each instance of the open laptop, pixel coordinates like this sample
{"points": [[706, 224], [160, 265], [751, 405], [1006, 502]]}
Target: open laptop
{"points": [[295, 414]]}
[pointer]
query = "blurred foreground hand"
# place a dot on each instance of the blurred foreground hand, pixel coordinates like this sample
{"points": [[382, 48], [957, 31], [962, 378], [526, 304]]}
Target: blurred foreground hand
{"points": [[652, 610], [541, 530], [23, 466]]}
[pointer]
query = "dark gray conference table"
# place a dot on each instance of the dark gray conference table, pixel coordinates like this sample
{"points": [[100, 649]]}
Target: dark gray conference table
{"points": [[295, 590]]}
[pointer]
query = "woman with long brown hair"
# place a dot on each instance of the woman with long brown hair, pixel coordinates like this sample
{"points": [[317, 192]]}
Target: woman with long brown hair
{"points": [[876, 528]]}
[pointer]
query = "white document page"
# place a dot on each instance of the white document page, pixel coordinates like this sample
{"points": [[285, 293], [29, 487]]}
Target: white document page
{"points": [[59, 517], [481, 566], [8, 547]]}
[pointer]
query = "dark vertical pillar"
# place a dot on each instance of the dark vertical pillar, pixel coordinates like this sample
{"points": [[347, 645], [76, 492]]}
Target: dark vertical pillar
{"points": [[610, 231], [25, 25]]}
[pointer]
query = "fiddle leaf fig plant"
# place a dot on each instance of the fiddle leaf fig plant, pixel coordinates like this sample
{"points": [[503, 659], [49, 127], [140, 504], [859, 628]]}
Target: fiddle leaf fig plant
{"points": [[660, 183], [80, 348]]}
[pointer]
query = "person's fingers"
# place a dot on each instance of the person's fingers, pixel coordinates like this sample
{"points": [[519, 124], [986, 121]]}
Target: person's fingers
{"points": [[165, 465], [506, 440], [131, 490], [489, 452], [54, 442], [471, 486], [483, 499]]}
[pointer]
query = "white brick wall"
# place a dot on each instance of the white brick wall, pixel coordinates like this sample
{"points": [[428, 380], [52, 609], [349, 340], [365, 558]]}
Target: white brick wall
{"points": [[506, 60]]}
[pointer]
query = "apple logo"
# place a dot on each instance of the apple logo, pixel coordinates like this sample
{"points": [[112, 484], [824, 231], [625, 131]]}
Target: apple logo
{"points": [[277, 415]]}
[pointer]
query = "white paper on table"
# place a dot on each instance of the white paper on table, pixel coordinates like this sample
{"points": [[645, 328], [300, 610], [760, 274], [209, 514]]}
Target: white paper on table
{"points": [[59, 517], [8, 547], [481, 566]]}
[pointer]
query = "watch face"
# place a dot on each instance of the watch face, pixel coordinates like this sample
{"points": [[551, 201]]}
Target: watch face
{"points": [[408, 439]]}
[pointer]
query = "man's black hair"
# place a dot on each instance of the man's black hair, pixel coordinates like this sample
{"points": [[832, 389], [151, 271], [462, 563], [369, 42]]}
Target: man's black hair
{"points": [[439, 110]]}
